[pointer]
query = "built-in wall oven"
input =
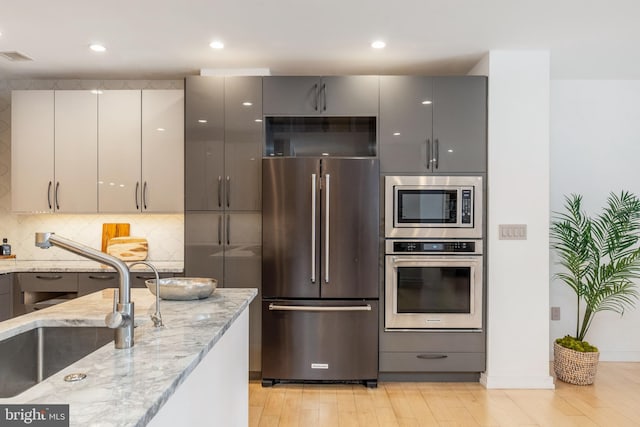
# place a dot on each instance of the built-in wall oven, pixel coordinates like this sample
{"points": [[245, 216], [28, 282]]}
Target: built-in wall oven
{"points": [[433, 207], [433, 284]]}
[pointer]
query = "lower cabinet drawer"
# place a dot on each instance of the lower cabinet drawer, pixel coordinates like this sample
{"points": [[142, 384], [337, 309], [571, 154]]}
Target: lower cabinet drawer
{"points": [[431, 362], [48, 282], [94, 282]]}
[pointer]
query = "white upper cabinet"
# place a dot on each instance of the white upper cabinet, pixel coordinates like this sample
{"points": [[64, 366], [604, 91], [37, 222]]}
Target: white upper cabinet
{"points": [[32, 146], [54, 151], [119, 154], [162, 151], [76, 151]]}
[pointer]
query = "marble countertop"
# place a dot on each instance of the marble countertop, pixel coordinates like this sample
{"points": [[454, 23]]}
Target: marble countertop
{"points": [[16, 266], [128, 387]]}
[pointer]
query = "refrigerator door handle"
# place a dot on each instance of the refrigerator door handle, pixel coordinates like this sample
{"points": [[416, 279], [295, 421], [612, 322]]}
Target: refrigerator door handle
{"points": [[276, 307], [326, 236], [313, 228]]}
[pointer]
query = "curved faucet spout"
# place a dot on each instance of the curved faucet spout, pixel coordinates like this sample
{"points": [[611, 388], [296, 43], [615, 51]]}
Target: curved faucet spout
{"points": [[124, 306]]}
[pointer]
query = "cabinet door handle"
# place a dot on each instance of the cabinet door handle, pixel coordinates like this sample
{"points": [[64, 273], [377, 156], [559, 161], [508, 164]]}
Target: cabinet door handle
{"points": [[219, 191], [49, 194], [429, 159], [144, 195], [56, 195], [105, 277], [228, 195], [315, 91], [228, 229], [277, 307], [324, 97], [220, 230], [48, 277], [139, 277], [436, 156], [136, 195], [432, 356]]}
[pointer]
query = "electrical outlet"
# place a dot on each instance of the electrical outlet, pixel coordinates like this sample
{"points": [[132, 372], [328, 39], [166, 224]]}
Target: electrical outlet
{"points": [[555, 313]]}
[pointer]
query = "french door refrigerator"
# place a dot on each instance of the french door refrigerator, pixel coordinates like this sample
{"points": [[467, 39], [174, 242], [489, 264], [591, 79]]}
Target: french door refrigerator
{"points": [[320, 231]]}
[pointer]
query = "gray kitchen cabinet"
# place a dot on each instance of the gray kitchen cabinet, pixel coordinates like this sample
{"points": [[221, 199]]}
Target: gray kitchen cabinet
{"points": [[6, 296], [223, 161], [327, 96], [89, 283], [433, 124], [425, 352], [223, 143]]}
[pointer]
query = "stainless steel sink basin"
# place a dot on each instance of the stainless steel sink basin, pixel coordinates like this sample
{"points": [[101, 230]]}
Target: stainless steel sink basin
{"points": [[34, 355]]}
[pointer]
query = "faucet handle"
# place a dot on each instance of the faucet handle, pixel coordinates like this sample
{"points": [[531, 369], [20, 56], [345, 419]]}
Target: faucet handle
{"points": [[115, 319]]}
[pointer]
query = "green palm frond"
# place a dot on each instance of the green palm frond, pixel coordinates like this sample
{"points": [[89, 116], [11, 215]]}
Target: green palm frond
{"points": [[600, 255]]}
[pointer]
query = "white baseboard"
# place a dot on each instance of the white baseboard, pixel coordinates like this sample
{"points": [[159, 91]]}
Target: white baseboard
{"points": [[496, 382]]}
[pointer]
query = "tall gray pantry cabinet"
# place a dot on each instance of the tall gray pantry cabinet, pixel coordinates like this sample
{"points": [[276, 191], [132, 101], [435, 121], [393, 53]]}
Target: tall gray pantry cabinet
{"points": [[223, 153], [433, 124]]}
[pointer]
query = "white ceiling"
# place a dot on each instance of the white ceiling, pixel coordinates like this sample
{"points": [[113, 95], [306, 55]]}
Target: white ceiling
{"points": [[588, 39]]}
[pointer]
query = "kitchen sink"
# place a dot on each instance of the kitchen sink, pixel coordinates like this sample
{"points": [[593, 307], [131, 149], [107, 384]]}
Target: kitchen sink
{"points": [[34, 355]]}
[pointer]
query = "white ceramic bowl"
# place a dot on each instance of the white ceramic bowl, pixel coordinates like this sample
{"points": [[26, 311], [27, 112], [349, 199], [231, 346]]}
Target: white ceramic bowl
{"points": [[183, 288]]}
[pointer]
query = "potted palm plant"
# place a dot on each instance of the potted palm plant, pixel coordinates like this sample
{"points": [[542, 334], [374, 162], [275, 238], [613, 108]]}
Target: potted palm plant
{"points": [[600, 259]]}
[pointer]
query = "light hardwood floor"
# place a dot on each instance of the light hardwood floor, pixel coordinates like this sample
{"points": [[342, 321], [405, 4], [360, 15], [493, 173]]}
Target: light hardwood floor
{"points": [[613, 400]]}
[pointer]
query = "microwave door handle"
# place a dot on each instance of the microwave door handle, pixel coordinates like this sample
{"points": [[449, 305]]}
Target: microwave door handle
{"points": [[313, 228], [326, 242]]}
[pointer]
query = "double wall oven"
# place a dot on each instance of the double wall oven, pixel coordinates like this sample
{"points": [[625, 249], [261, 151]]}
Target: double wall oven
{"points": [[433, 252]]}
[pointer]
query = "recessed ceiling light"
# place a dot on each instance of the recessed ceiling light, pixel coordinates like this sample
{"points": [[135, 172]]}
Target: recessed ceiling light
{"points": [[247, 104], [202, 121], [258, 120], [161, 129], [450, 151], [96, 47], [396, 134], [426, 102], [378, 44], [216, 44]]}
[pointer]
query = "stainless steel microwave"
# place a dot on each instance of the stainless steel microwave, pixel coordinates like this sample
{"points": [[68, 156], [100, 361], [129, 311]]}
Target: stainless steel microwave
{"points": [[433, 207]]}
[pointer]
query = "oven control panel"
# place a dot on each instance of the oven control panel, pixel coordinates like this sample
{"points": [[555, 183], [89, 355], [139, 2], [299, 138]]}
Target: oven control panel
{"points": [[434, 246]]}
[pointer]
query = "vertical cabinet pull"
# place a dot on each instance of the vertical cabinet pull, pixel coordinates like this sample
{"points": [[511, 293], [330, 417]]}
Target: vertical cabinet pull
{"points": [[313, 228], [220, 230], [324, 97], [436, 156], [56, 195], [49, 194], [326, 226], [228, 191], [228, 229], [136, 195], [315, 97], [429, 157], [219, 191], [144, 195]]}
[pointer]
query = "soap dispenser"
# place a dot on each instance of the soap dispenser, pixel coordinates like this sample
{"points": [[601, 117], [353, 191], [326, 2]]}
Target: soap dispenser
{"points": [[6, 248]]}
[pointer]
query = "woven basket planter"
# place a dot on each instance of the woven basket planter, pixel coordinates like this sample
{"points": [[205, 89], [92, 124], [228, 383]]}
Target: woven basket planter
{"points": [[574, 367]]}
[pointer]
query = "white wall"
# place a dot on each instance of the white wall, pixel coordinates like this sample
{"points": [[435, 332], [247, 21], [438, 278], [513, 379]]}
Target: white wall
{"points": [[595, 149], [518, 183]]}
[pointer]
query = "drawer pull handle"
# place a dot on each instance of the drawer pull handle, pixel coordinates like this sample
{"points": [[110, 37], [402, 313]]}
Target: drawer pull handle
{"points": [[432, 356], [145, 277], [49, 277], [101, 277]]}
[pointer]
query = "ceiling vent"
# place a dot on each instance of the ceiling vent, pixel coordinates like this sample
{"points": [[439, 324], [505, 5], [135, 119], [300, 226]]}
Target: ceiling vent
{"points": [[15, 56]]}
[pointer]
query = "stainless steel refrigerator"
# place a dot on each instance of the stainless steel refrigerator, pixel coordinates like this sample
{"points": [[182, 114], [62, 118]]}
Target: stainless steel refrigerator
{"points": [[320, 231]]}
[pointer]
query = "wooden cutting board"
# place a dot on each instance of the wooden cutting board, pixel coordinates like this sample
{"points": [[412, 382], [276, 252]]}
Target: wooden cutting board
{"points": [[128, 248], [110, 230]]}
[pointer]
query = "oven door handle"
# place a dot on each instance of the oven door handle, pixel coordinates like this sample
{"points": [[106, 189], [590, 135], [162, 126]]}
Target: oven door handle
{"points": [[431, 259], [276, 307]]}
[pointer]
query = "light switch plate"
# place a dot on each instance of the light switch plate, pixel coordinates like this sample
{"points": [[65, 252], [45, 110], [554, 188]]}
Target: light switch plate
{"points": [[512, 231], [555, 313]]}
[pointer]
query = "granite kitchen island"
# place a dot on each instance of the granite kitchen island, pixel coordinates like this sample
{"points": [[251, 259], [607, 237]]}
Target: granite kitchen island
{"points": [[193, 371]]}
